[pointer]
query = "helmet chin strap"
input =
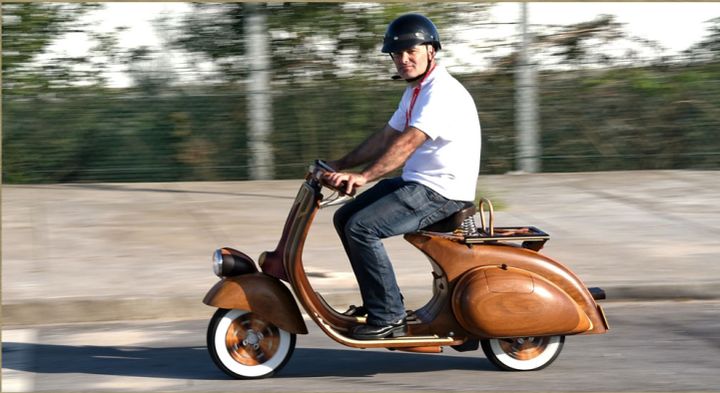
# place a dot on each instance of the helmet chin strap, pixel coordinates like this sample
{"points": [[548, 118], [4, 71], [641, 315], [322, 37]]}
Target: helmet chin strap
{"points": [[417, 78]]}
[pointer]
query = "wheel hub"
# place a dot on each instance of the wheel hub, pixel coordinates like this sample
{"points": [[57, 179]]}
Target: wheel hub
{"points": [[524, 348], [253, 339]]}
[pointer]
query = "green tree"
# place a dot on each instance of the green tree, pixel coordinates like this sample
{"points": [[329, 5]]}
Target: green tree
{"points": [[709, 48], [27, 30], [578, 44], [311, 41]]}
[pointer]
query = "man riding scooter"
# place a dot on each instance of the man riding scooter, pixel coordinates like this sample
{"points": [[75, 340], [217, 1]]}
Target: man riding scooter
{"points": [[488, 290], [435, 135]]}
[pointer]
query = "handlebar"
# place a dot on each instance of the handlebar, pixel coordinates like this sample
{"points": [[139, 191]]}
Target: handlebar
{"points": [[319, 168], [324, 166]]}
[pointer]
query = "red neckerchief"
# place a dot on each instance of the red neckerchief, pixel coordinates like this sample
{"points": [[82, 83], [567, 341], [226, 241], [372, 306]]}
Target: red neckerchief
{"points": [[416, 93]]}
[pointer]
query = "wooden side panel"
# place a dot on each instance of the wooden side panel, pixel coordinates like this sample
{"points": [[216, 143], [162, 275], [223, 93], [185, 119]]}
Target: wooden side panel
{"points": [[456, 258], [495, 302], [263, 295]]}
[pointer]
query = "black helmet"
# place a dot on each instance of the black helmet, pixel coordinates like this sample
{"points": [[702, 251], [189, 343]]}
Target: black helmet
{"points": [[409, 30]]}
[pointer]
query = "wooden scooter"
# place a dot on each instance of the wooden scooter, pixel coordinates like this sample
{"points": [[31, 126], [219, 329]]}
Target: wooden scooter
{"points": [[491, 289]]}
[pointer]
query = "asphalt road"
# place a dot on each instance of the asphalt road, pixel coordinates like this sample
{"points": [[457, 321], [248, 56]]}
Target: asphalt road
{"points": [[652, 346]]}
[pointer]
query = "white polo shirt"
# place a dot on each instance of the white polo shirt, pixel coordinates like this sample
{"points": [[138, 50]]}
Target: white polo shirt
{"points": [[449, 161]]}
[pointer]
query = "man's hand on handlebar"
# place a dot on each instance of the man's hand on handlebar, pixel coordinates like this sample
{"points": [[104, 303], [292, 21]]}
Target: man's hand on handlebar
{"points": [[344, 181]]}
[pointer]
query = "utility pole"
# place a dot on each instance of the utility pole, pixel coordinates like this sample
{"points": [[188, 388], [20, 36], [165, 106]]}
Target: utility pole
{"points": [[527, 128], [259, 95]]}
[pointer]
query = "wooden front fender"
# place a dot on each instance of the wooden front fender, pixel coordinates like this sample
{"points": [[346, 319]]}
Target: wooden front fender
{"points": [[261, 294]]}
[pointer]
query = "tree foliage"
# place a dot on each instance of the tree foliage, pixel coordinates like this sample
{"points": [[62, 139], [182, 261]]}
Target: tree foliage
{"points": [[708, 49], [27, 30], [578, 43], [309, 40]]}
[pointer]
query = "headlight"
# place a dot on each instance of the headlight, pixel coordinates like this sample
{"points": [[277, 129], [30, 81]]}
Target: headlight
{"points": [[217, 262], [228, 262]]}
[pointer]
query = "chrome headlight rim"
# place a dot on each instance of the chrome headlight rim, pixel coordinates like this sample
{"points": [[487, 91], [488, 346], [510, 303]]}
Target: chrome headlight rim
{"points": [[217, 261]]}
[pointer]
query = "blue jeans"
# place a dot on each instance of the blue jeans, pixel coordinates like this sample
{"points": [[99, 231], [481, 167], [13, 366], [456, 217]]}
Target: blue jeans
{"points": [[391, 207]]}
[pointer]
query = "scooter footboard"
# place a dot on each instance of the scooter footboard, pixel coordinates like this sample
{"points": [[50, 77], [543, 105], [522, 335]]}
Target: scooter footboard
{"points": [[494, 301], [261, 294]]}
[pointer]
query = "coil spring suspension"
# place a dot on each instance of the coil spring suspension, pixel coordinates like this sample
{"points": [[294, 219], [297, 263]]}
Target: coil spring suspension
{"points": [[468, 226]]}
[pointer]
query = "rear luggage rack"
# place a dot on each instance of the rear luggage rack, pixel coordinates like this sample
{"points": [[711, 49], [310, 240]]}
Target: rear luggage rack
{"points": [[467, 231], [532, 237], [508, 233]]}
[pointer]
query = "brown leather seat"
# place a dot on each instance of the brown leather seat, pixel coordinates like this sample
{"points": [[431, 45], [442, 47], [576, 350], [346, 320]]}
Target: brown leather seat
{"points": [[453, 222]]}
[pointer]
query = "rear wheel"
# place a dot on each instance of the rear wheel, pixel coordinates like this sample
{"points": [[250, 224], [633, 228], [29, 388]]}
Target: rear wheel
{"points": [[245, 346], [523, 353]]}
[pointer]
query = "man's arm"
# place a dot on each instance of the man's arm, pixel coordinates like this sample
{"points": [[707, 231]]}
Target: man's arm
{"points": [[400, 149], [368, 151]]}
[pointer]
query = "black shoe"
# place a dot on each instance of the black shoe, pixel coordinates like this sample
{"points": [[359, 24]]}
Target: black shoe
{"points": [[371, 332], [355, 311]]}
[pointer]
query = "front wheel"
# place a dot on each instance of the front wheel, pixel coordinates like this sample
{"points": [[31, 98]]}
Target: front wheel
{"points": [[523, 353], [245, 346]]}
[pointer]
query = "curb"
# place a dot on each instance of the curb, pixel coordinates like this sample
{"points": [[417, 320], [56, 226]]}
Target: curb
{"points": [[78, 310]]}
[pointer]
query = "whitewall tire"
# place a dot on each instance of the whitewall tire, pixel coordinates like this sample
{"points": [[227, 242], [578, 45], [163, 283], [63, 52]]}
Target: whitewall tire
{"points": [[523, 353], [247, 347]]}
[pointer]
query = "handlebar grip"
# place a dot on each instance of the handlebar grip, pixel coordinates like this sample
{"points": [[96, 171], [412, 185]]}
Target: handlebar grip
{"points": [[323, 166], [343, 186]]}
